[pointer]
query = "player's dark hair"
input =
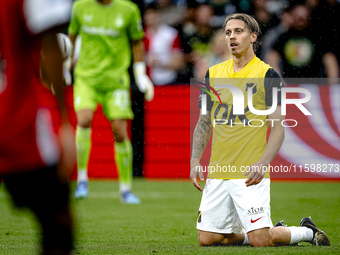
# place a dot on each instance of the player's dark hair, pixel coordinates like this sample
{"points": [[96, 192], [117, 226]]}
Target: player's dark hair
{"points": [[251, 24], [152, 6], [192, 4]]}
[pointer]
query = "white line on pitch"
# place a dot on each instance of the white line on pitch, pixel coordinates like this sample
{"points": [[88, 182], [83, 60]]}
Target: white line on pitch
{"points": [[143, 194]]}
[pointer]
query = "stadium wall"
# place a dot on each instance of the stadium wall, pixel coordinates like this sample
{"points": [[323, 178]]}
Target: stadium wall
{"points": [[314, 141]]}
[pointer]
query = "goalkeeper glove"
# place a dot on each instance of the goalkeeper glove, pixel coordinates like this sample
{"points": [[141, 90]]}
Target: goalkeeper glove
{"points": [[143, 81], [66, 71]]}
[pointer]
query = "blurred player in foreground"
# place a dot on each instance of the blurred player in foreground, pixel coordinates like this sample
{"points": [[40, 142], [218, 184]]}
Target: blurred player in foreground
{"points": [[230, 201], [101, 76], [29, 151]]}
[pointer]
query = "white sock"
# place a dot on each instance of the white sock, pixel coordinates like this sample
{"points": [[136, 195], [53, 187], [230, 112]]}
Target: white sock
{"points": [[123, 187], [82, 176], [300, 234], [246, 241]]}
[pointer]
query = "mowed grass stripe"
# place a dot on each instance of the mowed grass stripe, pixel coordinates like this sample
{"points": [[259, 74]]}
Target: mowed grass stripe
{"points": [[165, 221]]}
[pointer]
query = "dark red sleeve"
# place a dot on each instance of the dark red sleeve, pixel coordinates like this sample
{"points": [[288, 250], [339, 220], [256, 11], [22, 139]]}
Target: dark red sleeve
{"points": [[177, 43], [146, 43]]}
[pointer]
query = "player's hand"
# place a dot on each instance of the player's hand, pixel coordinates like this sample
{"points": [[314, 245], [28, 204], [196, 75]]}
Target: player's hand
{"points": [[66, 48], [68, 157], [151, 60], [66, 71], [196, 170], [143, 81], [257, 172], [145, 85]]}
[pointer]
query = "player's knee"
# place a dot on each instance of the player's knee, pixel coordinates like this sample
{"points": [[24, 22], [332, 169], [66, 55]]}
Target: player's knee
{"points": [[84, 123], [119, 136], [204, 241], [84, 119], [119, 128], [261, 241], [208, 239]]}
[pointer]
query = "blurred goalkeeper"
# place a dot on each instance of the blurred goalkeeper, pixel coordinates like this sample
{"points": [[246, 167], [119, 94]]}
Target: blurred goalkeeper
{"points": [[106, 28]]}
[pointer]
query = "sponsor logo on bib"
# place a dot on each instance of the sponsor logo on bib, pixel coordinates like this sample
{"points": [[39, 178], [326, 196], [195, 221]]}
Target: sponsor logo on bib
{"points": [[87, 17]]}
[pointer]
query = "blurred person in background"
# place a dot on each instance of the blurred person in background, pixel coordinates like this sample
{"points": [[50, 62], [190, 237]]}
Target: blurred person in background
{"points": [[271, 36], [328, 28], [221, 8], [263, 14], [264, 17], [29, 148], [186, 30], [218, 52], [199, 42], [302, 51], [101, 77], [137, 106], [164, 57], [171, 14]]}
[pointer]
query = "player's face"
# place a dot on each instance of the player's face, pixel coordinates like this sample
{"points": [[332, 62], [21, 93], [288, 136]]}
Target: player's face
{"points": [[239, 39], [151, 17]]}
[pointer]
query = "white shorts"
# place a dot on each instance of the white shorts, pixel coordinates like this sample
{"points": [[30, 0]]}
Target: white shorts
{"points": [[228, 205]]}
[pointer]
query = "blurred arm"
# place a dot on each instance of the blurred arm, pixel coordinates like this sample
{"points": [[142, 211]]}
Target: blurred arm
{"points": [[53, 67], [331, 65], [138, 51], [176, 62], [53, 70], [273, 58], [47, 27]]}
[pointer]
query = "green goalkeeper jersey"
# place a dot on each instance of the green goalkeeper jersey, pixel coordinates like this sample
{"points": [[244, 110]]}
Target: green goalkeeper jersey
{"points": [[105, 30]]}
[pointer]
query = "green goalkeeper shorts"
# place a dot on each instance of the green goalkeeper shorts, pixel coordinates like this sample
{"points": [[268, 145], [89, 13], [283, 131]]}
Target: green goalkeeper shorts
{"points": [[115, 101]]}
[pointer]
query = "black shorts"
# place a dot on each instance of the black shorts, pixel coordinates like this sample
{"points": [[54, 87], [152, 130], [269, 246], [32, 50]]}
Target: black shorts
{"points": [[37, 188], [48, 198]]}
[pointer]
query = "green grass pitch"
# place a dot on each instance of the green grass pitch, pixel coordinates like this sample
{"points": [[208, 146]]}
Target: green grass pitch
{"points": [[165, 221]]}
